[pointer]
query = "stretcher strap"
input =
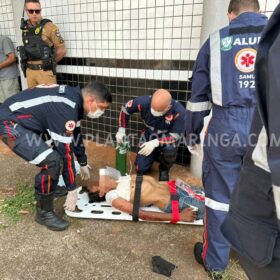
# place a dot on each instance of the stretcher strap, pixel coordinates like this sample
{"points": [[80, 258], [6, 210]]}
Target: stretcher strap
{"points": [[137, 196], [174, 202]]}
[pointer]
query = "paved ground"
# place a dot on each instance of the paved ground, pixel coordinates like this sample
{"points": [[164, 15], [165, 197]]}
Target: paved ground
{"points": [[92, 249]]}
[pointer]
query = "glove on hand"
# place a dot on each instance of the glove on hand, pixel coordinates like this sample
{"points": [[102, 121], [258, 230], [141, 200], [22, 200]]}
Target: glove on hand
{"points": [[120, 136], [195, 150], [85, 172], [148, 147], [71, 200]]}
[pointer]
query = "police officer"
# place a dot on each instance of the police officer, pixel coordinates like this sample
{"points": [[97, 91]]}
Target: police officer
{"points": [[26, 118], [252, 225], [164, 119], [42, 47], [223, 78]]}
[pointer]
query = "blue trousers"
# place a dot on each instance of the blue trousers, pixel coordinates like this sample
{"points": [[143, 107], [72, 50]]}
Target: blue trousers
{"points": [[165, 154], [32, 148], [224, 149]]}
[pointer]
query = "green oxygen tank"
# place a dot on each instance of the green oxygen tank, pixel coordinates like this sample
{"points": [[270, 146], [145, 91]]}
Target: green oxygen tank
{"points": [[121, 153]]}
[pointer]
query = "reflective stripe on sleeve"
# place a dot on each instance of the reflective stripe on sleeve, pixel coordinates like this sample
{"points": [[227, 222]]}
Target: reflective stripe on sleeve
{"points": [[60, 138], [215, 71], [41, 157], [41, 100], [199, 106], [215, 205], [276, 195]]}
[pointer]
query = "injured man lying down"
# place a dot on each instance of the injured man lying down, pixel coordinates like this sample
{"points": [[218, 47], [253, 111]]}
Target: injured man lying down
{"points": [[118, 191]]}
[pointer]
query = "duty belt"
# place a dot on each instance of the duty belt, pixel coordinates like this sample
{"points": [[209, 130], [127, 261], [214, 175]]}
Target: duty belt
{"points": [[35, 66]]}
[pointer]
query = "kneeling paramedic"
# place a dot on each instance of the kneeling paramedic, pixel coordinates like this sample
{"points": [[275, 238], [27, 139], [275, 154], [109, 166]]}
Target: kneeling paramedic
{"points": [[26, 118], [164, 119]]}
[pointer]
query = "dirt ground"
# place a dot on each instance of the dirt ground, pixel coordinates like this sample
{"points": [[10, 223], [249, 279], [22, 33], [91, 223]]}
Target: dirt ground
{"points": [[93, 249]]}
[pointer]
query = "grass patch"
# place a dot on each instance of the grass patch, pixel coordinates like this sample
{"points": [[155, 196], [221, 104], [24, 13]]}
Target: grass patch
{"points": [[234, 271], [20, 203]]}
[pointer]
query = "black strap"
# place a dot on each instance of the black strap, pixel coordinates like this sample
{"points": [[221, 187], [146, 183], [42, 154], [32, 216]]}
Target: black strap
{"points": [[246, 30], [44, 21], [137, 196]]}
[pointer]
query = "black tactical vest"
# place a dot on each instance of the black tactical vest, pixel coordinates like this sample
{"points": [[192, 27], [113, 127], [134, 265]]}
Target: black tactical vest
{"points": [[35, 48]]}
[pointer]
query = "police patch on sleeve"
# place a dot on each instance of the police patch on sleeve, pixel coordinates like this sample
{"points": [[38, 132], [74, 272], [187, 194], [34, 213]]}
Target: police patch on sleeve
{"points": [[70, 125], [245, 60]]}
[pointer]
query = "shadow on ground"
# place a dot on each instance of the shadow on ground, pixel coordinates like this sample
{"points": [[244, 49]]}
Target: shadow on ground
{"points": [[92, 249]]}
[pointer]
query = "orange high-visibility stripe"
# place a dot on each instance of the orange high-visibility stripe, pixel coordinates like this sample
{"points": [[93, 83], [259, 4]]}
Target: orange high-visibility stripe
{"points": [[69, 164], [49, 184], [205, 238]]}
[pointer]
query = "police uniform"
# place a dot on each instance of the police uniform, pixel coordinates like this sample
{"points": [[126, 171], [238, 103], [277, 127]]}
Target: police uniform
{"points": [[26, 119], [40, 42], [168, 129], [252, 225], [223, 79]]}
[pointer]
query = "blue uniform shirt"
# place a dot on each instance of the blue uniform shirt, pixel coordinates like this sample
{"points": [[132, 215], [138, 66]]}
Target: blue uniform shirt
{"points": [[167, 128], [223, 74]]}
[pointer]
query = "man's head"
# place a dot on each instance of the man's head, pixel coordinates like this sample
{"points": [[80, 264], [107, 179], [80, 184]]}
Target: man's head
{"points": [[105, 184], [237, 7], [97, 98], [33, 10], [161, 102]]}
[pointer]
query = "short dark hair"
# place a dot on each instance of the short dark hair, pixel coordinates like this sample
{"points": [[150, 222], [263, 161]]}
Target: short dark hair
{"points": [[98, 90], [236, 6], [31, 1]]}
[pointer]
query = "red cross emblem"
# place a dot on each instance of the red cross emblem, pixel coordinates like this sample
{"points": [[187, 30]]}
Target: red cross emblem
{"points": [[245, 60], [70, 125]]}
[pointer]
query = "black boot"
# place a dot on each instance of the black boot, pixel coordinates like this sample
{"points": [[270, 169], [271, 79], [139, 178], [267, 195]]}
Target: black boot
{"points": [[163, 175], [213, 275], [45, 214]]}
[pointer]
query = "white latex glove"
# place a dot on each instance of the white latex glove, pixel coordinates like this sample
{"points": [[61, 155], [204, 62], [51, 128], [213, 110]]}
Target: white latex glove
{"points": [[195, 150], [120, 136], [85, 172], [148, 147], [71, 200]]}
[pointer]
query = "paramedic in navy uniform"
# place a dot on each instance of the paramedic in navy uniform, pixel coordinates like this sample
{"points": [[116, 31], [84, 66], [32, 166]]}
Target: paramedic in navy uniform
{"points": [[164, 119], [223, 78], [26, 118]]}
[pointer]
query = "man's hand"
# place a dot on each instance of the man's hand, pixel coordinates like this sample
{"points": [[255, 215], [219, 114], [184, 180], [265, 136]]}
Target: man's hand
{"points": [[71, 200], [195, 150], [85, 172], [148, 147], [188, 215], [120, 136]]}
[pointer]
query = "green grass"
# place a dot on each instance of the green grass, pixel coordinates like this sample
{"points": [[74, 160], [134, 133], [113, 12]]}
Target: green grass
{"points": [[23, 200]]}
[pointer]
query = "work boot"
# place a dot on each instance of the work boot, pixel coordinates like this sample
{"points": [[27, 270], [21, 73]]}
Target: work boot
{"points": [[45, 214], [163, 175], [197, 251], [60, 191], [213, 275]]}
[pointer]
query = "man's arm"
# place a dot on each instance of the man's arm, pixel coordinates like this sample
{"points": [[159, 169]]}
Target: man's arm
{"points": [[187, 215], [60, 53], [176, 131], [54, 37], [131, 107], [199, 104], [78, 145], [11, 58], [9, 51]]}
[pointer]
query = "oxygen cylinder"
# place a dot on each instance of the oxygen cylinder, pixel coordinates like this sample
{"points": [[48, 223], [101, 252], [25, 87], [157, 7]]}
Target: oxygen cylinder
{"points": [[121, 153]]}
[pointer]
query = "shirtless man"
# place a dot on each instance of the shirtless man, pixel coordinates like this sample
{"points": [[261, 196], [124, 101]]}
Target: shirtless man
{"points": [[120, 194]]}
